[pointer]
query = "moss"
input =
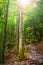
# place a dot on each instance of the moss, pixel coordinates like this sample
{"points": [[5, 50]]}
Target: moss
{"points": [[21, 54]]}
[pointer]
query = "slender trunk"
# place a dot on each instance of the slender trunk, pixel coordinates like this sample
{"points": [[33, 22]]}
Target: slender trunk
{"points": [[21, 50], [17, 36], [4, 33]]}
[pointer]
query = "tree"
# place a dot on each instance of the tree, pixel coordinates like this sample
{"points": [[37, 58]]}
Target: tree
{"points": [[4, 32], [21, 46]]}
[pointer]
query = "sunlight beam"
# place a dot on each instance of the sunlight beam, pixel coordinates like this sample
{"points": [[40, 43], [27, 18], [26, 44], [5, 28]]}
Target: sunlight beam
{"points": [[24, 2]]}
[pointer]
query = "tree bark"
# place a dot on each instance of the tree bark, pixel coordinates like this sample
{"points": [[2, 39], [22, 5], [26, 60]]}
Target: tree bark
{"points": [[4, 32], [20, 35]]}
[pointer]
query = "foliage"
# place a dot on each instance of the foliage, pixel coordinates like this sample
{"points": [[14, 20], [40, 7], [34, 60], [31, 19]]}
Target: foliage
{"points": [[32, 22], [33, 26]]}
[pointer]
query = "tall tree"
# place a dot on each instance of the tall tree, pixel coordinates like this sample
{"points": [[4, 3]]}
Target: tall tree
{"points": [[20, 35], [4, 32]]}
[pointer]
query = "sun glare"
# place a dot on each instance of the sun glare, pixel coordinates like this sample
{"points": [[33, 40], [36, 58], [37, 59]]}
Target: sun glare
{"points": [[24, 2], [30, 3]]}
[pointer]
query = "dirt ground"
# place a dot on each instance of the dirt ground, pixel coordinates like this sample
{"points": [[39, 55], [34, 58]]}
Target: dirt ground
{"points": [[33, 54]]}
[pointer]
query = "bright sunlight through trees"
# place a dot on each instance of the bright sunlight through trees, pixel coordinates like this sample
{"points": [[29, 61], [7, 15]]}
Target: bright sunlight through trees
{"points": [[24, 2]]}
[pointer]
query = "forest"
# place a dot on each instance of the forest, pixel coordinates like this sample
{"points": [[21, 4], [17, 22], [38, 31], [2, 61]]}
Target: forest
{"points": [[21, 32]]}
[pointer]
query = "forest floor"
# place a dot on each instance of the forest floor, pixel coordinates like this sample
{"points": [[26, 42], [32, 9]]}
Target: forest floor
{"points": [[33, 54]]}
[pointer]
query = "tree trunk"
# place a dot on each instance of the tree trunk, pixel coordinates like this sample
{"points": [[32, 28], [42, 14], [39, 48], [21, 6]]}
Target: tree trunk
{"points": [[4, 32], [20, 35], [17, 37]]}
